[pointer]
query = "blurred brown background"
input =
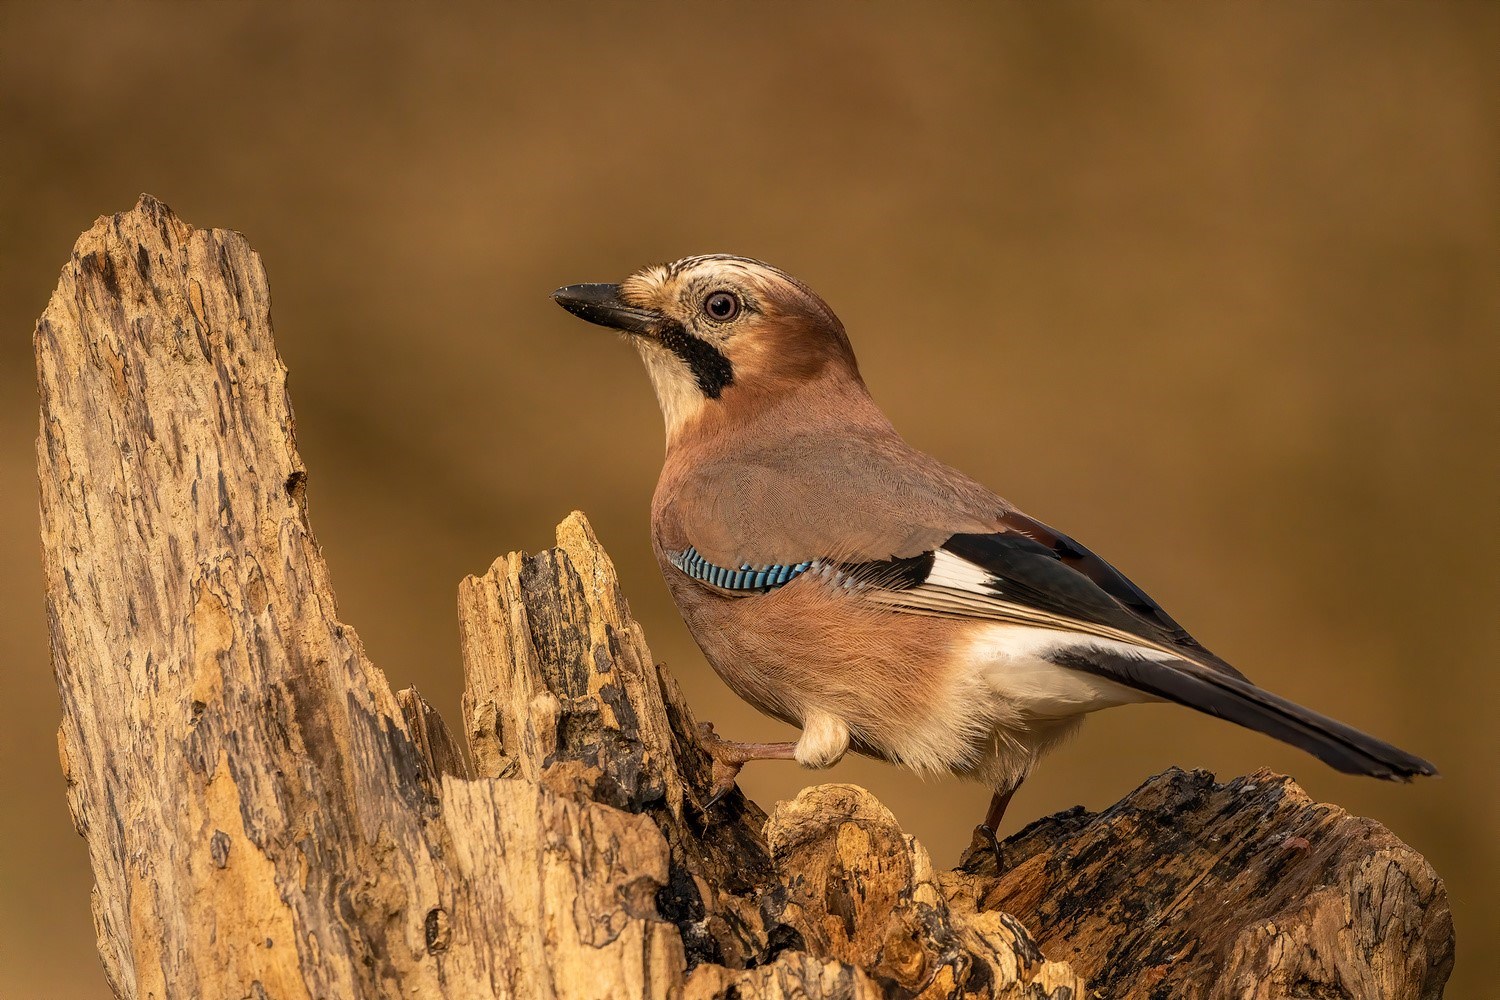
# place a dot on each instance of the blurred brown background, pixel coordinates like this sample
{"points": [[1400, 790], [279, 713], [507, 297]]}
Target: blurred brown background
{"points": [[1239, 261]]}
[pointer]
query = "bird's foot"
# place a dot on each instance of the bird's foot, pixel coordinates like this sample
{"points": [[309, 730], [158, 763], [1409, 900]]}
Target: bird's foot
{"points": [[729, 757]]}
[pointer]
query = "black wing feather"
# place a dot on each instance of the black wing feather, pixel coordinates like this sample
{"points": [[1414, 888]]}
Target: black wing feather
{"points": [[1048, 574]]}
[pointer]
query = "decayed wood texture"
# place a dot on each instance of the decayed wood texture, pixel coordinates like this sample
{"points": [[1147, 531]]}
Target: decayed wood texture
{"points": [[828, 898], [259, 820], [1247, 889], [265, 818]]}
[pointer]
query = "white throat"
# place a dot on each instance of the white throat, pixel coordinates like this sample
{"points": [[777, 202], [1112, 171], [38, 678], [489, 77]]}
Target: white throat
{"points": [[676, 391]]}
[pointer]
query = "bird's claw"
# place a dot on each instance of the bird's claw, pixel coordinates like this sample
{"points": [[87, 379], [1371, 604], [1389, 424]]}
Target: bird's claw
{"points": [[984, 836], [722, 786], [727, 761]]}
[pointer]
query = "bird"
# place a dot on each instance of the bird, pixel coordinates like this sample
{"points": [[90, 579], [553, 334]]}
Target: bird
{"points": [[846, 583]]}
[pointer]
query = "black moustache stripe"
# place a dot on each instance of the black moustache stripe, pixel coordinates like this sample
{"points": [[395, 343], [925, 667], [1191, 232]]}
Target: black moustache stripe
{"points": [[710, 368]]}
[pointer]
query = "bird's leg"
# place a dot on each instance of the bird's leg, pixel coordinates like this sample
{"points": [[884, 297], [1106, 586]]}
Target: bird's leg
{"points": [[729, 756], [988, 829], [996, 813]]}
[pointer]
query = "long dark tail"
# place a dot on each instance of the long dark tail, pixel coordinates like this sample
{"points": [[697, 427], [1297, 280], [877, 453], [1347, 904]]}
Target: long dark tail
{"points": [[1241, 702]]}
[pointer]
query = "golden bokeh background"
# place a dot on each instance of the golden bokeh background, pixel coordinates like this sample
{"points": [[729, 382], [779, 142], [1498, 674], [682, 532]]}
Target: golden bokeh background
{"points": [[1211, 287]]}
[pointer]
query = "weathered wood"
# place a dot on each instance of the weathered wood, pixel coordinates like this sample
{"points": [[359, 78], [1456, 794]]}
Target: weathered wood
{"points": [[861, 892], [260, 822], [562, 689], [578, 705], [439, 751], [1246, 889], [265, 818]]}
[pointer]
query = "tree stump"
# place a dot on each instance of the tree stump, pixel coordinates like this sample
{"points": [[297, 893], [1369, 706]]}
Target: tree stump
{"points": [[266, 818]]}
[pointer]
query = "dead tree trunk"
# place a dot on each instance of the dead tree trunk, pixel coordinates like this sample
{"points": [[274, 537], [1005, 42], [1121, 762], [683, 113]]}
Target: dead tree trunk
{"points": [[265, 818]]}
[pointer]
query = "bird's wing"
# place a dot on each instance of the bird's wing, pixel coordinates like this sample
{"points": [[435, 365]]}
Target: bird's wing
{"points": [[1029, 574], [903, 530]]}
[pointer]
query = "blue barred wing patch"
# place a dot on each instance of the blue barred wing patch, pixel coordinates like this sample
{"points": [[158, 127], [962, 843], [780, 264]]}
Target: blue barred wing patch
{"points": [[747, 578]]}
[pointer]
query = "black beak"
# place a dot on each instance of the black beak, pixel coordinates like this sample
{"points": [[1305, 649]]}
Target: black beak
{"points": [[601, 304]]}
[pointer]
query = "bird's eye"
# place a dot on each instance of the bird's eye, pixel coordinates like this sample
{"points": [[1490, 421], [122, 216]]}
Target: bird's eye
{"points": [[722, 306]]}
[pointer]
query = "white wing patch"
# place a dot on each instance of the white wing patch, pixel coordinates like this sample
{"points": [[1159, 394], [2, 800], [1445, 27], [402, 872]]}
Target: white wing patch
{"points": [[958, 588], [953, 573]]}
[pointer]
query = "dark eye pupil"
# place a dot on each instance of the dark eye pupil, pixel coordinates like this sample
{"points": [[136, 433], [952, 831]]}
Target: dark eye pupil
{"points": [[722, 305]]}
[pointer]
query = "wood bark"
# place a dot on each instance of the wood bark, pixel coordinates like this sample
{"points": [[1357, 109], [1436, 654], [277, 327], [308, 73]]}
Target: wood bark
{"points": [[266, 818]]}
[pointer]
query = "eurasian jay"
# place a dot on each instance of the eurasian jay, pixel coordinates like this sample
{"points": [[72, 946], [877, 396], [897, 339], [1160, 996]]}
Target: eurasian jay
{"points": [[842, 581]]}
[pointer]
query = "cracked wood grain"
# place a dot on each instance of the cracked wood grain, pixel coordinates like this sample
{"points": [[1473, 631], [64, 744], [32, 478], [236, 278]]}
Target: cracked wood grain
{"points": [[260, 821], [1247, 889]]}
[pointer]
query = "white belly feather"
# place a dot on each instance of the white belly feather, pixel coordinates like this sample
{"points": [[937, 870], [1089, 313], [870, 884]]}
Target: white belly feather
{"points": [[1011, 659], [1007, 704]]}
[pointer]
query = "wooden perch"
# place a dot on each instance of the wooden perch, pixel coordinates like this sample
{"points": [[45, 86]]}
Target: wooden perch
{"points": [[266, 819]]}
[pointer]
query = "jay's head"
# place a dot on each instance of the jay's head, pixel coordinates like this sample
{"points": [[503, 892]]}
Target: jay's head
{"points": [[718, 332]]}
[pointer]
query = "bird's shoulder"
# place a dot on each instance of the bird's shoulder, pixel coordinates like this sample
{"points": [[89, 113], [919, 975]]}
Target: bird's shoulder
{"points": [[855, 496]]}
